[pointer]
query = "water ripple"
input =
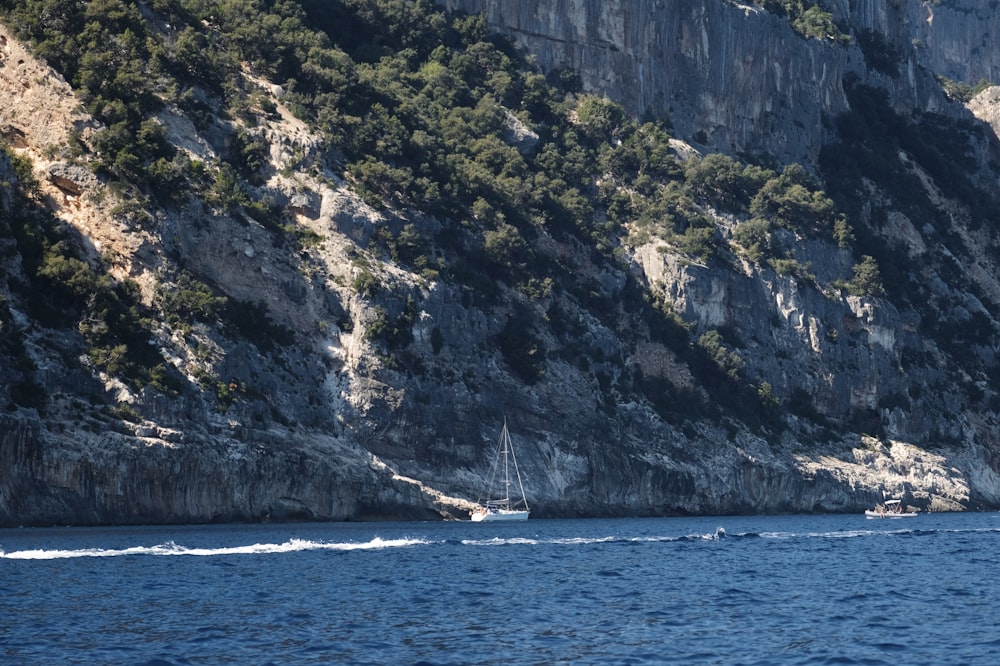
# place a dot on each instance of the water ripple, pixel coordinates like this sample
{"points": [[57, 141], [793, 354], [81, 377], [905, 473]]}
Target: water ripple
{"points": [[751, 590]]}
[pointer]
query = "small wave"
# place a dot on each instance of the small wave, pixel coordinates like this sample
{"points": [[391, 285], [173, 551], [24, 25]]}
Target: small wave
{"points": [[839, 534], [574, 541], [719, 534], [497, 541], [653, 539], [171, 548], [586, 541], [899, 532]]}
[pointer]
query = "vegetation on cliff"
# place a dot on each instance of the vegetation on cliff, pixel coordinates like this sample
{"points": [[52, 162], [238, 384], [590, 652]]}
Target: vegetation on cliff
{"points": [[809, 19], [520, 209], [418, 107]]}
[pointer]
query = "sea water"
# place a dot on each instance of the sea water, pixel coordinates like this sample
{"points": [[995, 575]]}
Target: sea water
{"points": [[726, 590]]}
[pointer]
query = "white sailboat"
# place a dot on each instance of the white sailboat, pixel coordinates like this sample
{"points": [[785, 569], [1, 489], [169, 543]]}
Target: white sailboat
{"points": [[498, 504]]}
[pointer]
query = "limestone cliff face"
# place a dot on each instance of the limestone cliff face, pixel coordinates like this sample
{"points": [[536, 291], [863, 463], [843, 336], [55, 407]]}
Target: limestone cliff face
{"points": [[727, 75], [735, 78], [739, 79], [325, 429], [954, 39]]}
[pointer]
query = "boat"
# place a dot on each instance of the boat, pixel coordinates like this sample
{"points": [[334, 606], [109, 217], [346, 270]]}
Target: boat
{"points": [[889, 509], [498, 504]]}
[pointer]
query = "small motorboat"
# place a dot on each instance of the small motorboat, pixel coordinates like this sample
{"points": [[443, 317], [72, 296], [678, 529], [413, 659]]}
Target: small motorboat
{"points": [[889, 509]]}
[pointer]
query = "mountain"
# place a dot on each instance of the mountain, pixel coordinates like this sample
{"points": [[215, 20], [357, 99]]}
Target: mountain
{"points": [[279, 260], [744, 77]]}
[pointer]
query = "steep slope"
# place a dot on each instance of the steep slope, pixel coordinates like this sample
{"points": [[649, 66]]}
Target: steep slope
{"points": [[738, 77], [353, 356], [176, 459], [748, 83]]}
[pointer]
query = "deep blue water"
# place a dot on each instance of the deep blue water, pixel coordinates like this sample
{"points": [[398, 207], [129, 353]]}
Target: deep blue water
{"points": [[725, 590]]}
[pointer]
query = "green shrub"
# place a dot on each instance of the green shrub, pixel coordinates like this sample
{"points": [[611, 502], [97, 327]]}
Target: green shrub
{"points": [[755, 238], [189, 299], [393, 333], [24, 175], [725, 182], [698, 242], [728, 361], [962, 92], [504, 248], [365, 283], [789, 200], [807, 18], [867, 280], [600, 119], [792, 267]]}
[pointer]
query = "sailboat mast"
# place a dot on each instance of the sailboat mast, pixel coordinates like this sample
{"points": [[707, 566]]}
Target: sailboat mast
{"points": [[506, 469], [517, 472]]}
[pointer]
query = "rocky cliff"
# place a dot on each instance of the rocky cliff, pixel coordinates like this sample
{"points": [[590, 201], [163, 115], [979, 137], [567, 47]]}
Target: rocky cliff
{"points": [[738, 78], [305, 417]]}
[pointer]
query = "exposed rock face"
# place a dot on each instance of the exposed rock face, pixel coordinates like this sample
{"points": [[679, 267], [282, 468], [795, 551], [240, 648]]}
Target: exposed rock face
{"points": [[324, 430], [955, 39], [125, 477], [72, 180], [986, 107], [739, 79], [731, 75]]}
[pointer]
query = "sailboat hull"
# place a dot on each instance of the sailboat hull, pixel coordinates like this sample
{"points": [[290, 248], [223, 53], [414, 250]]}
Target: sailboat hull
{"points": [[493, 515]]}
